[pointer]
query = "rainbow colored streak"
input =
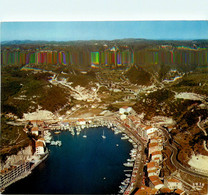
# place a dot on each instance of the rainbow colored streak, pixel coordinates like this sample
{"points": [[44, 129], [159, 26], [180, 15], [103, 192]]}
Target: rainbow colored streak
{"points": [[106, 57]]}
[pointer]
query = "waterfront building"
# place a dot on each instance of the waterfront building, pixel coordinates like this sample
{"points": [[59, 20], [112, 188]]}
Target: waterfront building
{"points": [[157, 156], [39, 147], [81, 122], [153, 147], [144, 190], [155, 182], [173, 183], [180, 192], [165, 190], [8, 175], [152, 166], [150, 130], [153, 172]]}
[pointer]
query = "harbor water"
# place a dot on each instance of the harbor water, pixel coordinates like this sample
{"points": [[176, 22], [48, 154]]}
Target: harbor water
{"points": [[90, 165]]}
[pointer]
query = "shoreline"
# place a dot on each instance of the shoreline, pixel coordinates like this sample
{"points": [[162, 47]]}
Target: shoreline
{"points": [[26, 173], [101, 122]]}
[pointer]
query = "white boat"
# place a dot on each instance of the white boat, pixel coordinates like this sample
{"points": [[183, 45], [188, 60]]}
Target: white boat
{"points": [[128, 170], [131, 160], [123, 186], [58, 143], [116, 132], [124, 137], [128, 175], [128, 164], [48, 141], [53, 143], [85, 136], [103, 136]]}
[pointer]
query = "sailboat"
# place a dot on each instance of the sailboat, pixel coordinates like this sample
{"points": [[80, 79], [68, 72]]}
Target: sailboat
{"points": [[103, 136], [85, 136]]}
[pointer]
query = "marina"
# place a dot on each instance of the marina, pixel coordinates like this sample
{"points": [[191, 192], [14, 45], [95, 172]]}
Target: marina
{"points": [[92, 152], [53, 135]]}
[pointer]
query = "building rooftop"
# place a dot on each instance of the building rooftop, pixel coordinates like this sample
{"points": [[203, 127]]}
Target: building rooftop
{"points": [[153, 144], [39, 144], [152, 171], [174, 180], [146, 191], [155, 180], [34, 129], [165, 190], [178, 191], [152, 164], [157, 152], [148, 127]]}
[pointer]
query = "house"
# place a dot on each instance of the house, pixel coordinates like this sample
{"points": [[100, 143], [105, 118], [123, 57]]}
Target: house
{"points": [[156, 139], [123, 117], [153, 169], [157, 156], [153, 147], [39, 147], [165, 190], [152, 166], [125, 109], [156, 182], [81, 121], [150, 129], [35, 130], [173, 183], [144, 190], [180, 192], [42, 140], [153, 172]]}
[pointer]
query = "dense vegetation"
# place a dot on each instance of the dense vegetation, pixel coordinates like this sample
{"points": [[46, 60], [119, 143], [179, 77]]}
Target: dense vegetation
{"points": [[138, 75], [24, 91], [13, 138]]}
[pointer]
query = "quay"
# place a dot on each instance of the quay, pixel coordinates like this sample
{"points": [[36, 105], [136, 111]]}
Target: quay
{"points": [[18, 171]]}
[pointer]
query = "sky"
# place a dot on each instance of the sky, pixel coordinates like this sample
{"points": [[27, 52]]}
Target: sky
{"points": [[104, 30]]}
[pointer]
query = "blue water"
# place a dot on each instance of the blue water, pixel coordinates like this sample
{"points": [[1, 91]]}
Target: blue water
{"points": [[89, 165]]}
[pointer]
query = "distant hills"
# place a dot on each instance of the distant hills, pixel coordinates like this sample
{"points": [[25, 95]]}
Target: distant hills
{"points": [[131, 41]]}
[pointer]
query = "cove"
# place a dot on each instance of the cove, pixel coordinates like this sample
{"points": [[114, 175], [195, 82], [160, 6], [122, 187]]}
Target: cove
{"points": [[91, 165]]}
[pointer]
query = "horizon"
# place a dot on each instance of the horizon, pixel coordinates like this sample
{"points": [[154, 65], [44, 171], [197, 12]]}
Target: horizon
{"points": [[104, 30], [106, 40]]}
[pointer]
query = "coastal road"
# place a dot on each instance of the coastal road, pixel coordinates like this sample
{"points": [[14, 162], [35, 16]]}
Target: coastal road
{"points": [[205, 133], [174, 160]]}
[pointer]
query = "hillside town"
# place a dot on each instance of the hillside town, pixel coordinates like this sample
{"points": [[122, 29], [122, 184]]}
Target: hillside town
{"points": [[148, 156]]}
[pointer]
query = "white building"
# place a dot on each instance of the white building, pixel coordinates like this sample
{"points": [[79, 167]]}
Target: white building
{"points": [[81, 122], [125, 109], [35, 130], [123, 117], [153, 147], [39, 147], [156, 182], [157, 156], [151, 130], [173, 183]]}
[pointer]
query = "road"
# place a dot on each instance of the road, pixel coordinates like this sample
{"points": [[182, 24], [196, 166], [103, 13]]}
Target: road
{"points": [[205, 133], [176, 163]]}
